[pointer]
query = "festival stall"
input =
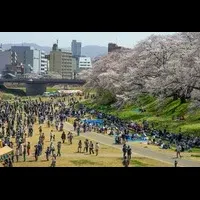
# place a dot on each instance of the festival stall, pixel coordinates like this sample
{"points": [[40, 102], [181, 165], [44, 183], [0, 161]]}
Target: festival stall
{"points": [[5, 152]]}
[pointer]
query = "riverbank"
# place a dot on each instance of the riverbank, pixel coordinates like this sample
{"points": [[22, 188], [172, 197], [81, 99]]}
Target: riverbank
{"points": [[163, 114]]}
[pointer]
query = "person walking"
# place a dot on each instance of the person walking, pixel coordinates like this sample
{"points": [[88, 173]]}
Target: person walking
{"points": [[75, 125], [129, 152], [17, 154], [178, 151], [47, 152], [58, 149], [36, 153], [70, 138], [124, 149], [86, 145], [63, 137], [79, 146], [53, 163], [125, 162], [78, 131], [57, 124], [28, 148], [51, 135], [24, 153], [91, 147], [97, 148]]}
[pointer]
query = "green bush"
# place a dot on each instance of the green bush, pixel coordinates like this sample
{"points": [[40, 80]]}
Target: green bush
{"points": [[7, 96]]}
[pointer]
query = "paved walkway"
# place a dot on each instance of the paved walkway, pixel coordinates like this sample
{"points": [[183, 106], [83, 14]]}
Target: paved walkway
{"points": [[145, 152]]}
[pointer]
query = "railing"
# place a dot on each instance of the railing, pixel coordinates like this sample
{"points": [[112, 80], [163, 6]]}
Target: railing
{"points": [[31, 80]]}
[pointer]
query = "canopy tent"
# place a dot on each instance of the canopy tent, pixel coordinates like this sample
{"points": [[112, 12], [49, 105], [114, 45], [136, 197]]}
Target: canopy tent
{"points": [[5, 152]]}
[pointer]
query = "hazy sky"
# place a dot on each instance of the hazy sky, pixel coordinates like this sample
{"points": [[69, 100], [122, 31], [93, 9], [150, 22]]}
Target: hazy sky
{"points": [[126, 39]]}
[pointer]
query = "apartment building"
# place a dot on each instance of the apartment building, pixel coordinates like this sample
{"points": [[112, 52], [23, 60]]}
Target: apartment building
{"points": [[61, 62]]}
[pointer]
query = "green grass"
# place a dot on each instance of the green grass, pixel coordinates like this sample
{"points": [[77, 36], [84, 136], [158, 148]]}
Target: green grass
{"points": [[138, 163], [163, 113], [82, 162], [50, 89]]}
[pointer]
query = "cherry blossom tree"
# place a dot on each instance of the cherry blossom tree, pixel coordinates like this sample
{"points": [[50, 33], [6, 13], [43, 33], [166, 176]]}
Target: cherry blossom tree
{"points": [[160, 65]]}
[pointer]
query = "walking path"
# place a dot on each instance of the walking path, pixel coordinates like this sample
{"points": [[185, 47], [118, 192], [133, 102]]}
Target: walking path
{"points": [[145, 152]]}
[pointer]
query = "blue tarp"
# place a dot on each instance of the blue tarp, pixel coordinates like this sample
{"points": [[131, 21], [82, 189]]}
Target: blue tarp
{"points": [[93, 121], [136, 139]]}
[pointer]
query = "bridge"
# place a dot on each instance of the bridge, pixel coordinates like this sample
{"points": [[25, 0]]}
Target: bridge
{"points": [[38, 86]]}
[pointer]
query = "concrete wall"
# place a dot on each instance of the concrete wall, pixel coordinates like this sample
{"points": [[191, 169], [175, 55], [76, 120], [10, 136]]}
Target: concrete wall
{"points": [[35, 89]]}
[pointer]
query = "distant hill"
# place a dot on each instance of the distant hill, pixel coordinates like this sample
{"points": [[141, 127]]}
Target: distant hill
{"points": [[94, 51], [89, 51], [42, 48]]}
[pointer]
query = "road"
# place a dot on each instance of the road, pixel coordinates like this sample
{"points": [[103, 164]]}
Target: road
{"points": [[144, 152]]}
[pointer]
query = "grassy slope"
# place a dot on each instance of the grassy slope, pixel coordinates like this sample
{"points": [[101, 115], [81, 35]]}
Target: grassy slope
{"points": [[161, 113]]}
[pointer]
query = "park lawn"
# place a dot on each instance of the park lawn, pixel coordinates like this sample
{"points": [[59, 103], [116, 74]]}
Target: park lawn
{"points": [[108, 156]]}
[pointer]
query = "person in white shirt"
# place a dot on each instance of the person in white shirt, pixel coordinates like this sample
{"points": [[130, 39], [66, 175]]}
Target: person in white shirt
{"points": [[97, 148]]}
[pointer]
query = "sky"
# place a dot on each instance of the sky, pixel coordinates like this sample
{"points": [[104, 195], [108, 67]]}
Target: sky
{"points": [[126, 39]]}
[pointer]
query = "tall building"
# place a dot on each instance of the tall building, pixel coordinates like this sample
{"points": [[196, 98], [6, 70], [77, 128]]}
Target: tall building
{"points": [[30, 57], [7, 58], [44, 63], [48, 60], [76, 48], [61, 62]]}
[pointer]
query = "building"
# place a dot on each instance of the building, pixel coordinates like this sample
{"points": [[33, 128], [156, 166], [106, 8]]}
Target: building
{"points": [[7, 58], [48, 60], [113, 47], [30, 57], [84, 63], [43, 63], [76, 49], [61, 62], [74, 67], [14, 69]]}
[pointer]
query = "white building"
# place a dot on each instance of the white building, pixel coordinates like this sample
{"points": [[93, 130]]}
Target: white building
{"points": [[85, 63], [43, 63]]}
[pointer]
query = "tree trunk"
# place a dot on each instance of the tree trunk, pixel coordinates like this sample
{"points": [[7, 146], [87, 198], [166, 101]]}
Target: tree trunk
{"points": [[183, 99], [175, 97]]}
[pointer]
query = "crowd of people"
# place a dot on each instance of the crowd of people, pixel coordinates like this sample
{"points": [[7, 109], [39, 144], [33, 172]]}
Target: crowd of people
{"points": [[18, 118], [124, 130]]}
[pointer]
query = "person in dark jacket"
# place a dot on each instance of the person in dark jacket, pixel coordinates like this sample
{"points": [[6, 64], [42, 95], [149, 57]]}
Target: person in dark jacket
{"points": [[91, 148], [125, 162], [63, 137], [47, 152], [129, 152], [79, 146], [124, 149]]}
